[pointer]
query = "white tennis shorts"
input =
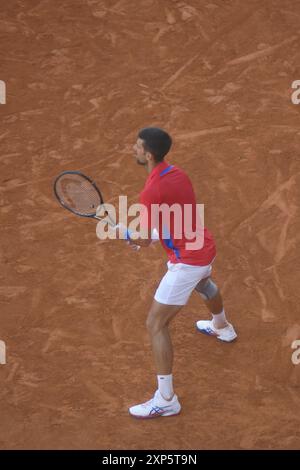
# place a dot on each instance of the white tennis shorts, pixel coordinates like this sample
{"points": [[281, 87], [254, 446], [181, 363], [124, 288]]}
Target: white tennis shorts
{"points": [[179, 281]]}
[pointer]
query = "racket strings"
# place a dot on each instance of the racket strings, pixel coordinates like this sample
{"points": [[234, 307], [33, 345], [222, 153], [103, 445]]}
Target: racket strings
{"points": [[78, 194]]}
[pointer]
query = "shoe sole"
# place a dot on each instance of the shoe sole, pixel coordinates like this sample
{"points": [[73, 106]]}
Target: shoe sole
{"points": [[215, 336], [155, 416]]}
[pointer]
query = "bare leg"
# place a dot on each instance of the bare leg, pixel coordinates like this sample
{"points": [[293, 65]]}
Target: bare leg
{"points": [[158, 320], [214, 302], [215, 307], [162, 351], [164, 402]]}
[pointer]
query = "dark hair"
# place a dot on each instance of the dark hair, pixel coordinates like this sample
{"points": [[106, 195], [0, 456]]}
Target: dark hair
{"points": [[156, 141]]}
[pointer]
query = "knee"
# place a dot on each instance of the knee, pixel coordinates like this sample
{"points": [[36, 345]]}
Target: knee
{"points": [[153, 324], [207, 289], [150, 324]]}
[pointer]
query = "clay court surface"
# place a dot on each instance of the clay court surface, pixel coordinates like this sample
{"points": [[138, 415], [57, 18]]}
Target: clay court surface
{"points": [[82, 77]]}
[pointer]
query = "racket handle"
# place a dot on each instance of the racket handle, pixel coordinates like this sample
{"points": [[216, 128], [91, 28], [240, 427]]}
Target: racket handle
{"points": [[128, 233], [127, 237]]}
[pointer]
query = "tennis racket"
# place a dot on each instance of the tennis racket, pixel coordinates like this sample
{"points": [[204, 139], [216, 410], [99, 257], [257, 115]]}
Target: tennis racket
{"points": [[79, 194]]}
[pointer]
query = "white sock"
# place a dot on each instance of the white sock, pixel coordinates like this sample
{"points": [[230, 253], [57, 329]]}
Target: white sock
{"points": [[219, 319], [165, 386]]}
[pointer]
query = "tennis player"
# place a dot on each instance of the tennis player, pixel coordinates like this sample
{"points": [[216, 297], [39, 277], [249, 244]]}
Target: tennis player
{"points": [[188, 269]]}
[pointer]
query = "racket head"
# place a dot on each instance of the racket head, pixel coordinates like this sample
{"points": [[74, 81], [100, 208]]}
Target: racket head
{"points": [[77, 193]]}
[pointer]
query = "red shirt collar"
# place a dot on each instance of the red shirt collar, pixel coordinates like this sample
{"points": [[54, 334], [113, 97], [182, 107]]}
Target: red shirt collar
{"points": [[158, 169]]}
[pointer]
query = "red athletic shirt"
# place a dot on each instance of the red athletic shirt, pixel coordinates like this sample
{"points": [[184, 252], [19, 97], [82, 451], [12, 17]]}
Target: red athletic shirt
{"points": [[169, 185]]}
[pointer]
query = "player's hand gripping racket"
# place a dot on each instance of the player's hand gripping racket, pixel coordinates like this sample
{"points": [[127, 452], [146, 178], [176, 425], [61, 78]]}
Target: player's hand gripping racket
{"points": [[79, 194]]}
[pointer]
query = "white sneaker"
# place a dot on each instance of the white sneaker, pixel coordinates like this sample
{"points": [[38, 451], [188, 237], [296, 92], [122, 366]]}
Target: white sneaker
{"points": [[227, 334], [156, 407]]}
